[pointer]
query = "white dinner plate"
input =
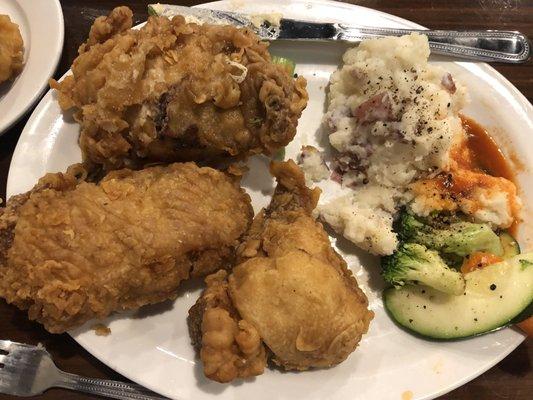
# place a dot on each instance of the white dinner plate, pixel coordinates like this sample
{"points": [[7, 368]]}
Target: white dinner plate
{"points": [[41, 26], [152, 346]]}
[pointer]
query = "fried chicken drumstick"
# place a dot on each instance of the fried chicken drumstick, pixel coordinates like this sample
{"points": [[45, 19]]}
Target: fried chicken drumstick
{"points": [[71, 250], [177, 91], [292, 297]]}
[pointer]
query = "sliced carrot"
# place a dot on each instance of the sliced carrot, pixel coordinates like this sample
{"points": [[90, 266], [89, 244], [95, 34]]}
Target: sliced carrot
{"points": [[477, 260], [527, 326]]}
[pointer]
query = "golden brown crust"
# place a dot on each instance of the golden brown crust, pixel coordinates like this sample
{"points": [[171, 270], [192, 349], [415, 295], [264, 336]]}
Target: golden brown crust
{"points": [[305, 311], [230, 348], [82, 250], [11, 49], [292, 285], [296, 292], [119, 20], [176, 91]]}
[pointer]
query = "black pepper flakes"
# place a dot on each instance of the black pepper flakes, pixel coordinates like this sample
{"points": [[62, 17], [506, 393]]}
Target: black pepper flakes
{"points": [[492, 287]]}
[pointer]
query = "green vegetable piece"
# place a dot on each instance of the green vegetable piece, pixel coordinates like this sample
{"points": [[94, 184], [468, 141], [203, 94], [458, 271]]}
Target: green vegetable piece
{"points": [[510, 246], [289, 65], [414, 263], [459, 238], [151, 10], [280, 155]]}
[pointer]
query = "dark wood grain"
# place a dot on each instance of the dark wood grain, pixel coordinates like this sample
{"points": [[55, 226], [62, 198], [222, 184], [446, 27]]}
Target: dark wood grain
{"points": [[511, 379]]}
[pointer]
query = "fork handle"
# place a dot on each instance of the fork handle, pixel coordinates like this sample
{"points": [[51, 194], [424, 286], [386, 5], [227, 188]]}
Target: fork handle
{"points": [[106, 388]]}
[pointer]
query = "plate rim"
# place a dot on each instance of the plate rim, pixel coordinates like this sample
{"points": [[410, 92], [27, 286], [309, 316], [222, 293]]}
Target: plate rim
{"points": [[351, 8], [25, 5]]}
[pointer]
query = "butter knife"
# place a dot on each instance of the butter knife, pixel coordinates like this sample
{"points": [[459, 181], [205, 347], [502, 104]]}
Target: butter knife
{"points": [[480, 45]]}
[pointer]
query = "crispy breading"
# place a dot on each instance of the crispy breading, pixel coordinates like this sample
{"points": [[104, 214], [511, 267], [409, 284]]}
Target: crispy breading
{"points": [[230, 348], [73, 250], [11, 49], [291, 285], [173, 91]]}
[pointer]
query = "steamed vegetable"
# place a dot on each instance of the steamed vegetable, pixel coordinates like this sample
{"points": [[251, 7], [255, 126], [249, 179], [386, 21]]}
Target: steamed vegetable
{"points": [[477, 260], [510, 246], [457, 238], [414, 263], [495, 296]]}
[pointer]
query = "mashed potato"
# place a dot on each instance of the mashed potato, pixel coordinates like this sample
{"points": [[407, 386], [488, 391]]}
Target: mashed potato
{"points": [[394, 122], [313, 164], [11, 49], [390, 111], [365, 217]]}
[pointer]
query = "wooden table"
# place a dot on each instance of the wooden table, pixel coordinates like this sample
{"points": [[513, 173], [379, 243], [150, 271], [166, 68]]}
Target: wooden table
{"points": [[511, 379]]}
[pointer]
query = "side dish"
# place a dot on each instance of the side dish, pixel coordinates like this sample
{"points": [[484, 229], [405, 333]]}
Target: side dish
{"points": [[425, 189], [71, 250], [11, 49], [291, 292], [177, 91]]}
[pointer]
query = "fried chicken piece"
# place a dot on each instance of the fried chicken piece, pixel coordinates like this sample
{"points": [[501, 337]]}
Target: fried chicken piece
{"points": [[230, 348], [72, 250], [11, 49], [290, 285], [173, 91]]}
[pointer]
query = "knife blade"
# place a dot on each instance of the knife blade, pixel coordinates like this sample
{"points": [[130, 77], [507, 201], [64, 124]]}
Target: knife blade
{"points": [[266, 26], [483, 45]]}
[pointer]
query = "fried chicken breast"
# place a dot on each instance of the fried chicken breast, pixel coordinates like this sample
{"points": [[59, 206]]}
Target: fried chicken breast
{"points": [[290, 289], [71, 250], [177, 91], [11, 49]]}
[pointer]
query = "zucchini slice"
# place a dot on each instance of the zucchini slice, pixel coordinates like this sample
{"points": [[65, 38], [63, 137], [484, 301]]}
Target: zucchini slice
{"points": [[494, 296], [510, 246]]}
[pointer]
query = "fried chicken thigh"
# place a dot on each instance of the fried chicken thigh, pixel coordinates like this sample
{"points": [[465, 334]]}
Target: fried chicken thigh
{"points": [[11, 49], [291, 291], [71, 250], [177, 91]]}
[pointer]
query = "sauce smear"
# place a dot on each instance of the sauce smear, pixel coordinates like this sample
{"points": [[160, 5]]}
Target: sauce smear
{"points": [[488, 156], [486, 152]]}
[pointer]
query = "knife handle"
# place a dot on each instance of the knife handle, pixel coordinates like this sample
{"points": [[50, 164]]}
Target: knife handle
{"points": [[483, 45]]}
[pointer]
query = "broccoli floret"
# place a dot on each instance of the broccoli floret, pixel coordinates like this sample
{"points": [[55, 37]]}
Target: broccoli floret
{"points": [[414, 263], [459, 238]]}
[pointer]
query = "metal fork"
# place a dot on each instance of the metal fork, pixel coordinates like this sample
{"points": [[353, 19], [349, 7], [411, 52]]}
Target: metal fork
{"points": [[29, 370]]}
